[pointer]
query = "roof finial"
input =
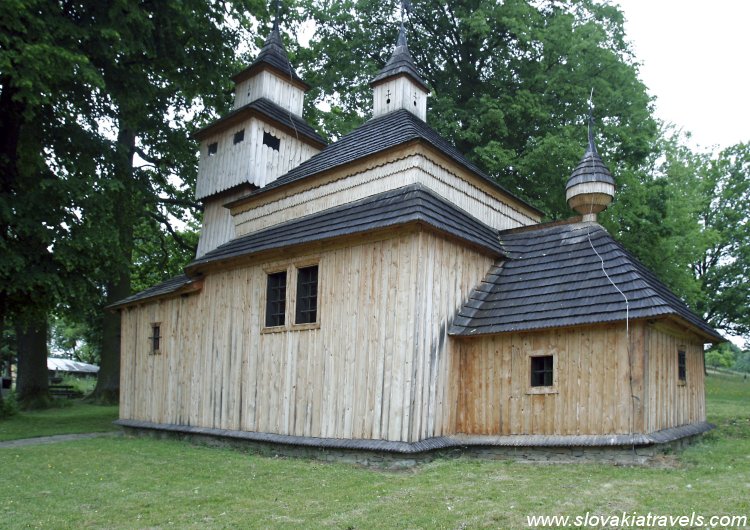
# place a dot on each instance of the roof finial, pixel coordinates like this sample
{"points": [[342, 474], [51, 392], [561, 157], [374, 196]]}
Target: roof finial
{"points": [[592, 145], [277, 9], [590, 187]]}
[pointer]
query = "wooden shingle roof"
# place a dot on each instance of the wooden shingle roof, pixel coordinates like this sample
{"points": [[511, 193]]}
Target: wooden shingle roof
{"points": [[413, 203], [553, 277], [378, 135], [168, 287], [265, 108]]}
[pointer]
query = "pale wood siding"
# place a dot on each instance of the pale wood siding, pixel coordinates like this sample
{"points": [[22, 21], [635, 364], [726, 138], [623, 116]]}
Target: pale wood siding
{"points": [[399, 93], [671, 402], [270, 86], [218, 226], [374, 368], [492, 392], [402, 172], [249, 161]]}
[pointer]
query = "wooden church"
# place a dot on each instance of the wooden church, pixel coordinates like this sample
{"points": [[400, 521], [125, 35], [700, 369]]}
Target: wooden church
{"points": [[383, 293]]}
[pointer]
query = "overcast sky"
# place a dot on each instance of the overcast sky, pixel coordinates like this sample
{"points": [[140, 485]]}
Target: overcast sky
{"points": [[695, 60]]}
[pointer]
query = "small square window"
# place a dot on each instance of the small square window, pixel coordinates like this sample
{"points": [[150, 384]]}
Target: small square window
{"points": [[681, 366], [276, 299], [271, 141], [155, 338], [239, 136], [213, 148], [307, 295], [542, 371]]}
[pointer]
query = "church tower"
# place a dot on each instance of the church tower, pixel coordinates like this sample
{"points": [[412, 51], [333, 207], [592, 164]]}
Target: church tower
{"points": [[399, 85], [263, 137]]}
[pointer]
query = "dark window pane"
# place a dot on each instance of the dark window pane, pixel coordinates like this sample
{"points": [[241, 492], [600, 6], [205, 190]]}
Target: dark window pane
{"points": [[271, 141], [213, 148], [276, 299], [239, 136], [307, 295], [681, 366], [155, 337], [542, 371]]}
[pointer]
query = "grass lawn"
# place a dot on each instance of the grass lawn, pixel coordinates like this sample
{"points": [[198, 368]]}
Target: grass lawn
{"points": [[74, 417], [145, 483]]}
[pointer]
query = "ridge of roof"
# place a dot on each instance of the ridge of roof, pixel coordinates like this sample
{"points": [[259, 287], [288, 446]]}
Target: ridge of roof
{"points": [[375, 136], [270, 110], [411, 203], [553, 277]]}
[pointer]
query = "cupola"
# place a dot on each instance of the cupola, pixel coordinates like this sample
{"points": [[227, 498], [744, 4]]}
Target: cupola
{"points": [[399, 84], [590, 188]]}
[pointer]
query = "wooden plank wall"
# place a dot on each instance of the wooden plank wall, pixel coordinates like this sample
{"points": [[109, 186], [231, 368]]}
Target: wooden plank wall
{"points": [[249, 161], [491, 384], [399, 93], [218, 226], [270, 86], [375, 368], [670, 402], [413, 168]]}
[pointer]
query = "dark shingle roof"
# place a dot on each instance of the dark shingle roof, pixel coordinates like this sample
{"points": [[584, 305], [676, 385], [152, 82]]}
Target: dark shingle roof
{"points": [[377, 135], [273, 54], [270, 110], [168, 287], [400, 63], [396, 207], [553, 278]]}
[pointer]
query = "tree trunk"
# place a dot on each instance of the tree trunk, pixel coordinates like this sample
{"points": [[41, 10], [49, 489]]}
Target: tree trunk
{"points": [[108, 382], [32, 382]]}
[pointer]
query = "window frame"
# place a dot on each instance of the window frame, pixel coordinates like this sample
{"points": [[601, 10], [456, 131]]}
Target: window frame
{"points": [[298, 297], [292, 274], [545, 389], [267, 302], [155, 339], [682, 365]]}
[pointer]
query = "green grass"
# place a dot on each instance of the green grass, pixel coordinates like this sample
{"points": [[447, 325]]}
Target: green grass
{"points": [[147, 483], [74, 417]]}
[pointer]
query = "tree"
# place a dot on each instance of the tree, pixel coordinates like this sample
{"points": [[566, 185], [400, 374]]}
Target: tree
{"points": [[723, 355], [723, 269], [42, 118], [510, 81]]}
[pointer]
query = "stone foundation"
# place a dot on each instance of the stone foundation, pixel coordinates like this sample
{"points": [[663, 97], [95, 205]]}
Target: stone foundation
{"points": [[398, 456]]}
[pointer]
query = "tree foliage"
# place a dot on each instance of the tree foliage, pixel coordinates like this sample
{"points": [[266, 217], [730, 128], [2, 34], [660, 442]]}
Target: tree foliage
{"points": [[510, 81]]}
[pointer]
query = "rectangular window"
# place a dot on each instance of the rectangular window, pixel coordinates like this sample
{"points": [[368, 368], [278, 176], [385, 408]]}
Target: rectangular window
{"points": [[542, 370], [271, 141], [276, 299], [307, 295], [213, 148], [681, 366], [239, 136], [155, 337]]}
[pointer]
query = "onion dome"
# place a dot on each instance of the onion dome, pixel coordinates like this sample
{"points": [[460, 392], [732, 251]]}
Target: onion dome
{"points": [[590, 188]]}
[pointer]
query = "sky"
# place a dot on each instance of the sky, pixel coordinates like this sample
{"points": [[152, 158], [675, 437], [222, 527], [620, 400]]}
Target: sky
{"points": [[695, 57]]}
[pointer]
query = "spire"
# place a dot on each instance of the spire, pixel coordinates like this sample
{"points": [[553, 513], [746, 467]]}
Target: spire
{"points": [[273, 55], [590, 188], [400, 63]]}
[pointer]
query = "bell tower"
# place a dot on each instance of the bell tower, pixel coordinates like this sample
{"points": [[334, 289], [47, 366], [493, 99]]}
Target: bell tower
{"points": [[263, 137]]}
